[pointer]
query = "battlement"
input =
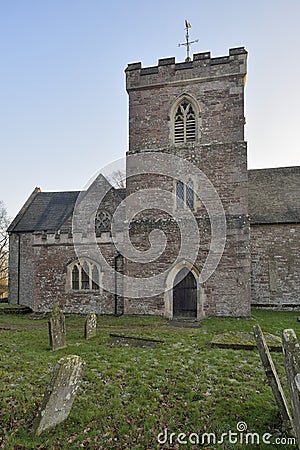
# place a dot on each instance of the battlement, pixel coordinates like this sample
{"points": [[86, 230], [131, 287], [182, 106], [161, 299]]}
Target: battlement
{"points": [[202, 66]]}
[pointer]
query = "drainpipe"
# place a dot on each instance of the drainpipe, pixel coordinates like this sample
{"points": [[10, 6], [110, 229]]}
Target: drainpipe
{"points": [[116, 285], [19, 267]]}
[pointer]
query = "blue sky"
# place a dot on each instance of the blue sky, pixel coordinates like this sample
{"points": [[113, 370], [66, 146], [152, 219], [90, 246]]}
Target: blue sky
{"points": [[63, 104]]}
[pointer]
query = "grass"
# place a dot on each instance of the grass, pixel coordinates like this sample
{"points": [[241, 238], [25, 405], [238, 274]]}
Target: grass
{"points": [[129, 394]]}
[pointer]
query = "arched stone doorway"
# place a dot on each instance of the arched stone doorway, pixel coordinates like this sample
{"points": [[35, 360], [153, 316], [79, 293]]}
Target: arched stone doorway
{"points": [[181, 286], [185, 295]]}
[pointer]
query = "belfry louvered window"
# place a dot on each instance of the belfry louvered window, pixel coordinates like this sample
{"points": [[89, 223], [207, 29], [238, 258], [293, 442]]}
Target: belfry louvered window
{"points": [[184, 123]]}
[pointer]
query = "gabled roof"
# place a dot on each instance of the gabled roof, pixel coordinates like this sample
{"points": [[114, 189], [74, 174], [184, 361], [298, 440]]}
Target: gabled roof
{"points": [[274, 195], [46, 211]]}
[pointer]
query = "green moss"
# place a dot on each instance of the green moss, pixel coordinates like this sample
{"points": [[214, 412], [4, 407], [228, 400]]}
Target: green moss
{"points": [[245, 340]]}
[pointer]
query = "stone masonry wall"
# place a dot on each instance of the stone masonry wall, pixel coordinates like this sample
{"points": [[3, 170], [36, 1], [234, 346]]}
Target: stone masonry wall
{"points": [[21, 272], [55, 251], [53, 285], [217, 86], [13, 269], [275, 265]]}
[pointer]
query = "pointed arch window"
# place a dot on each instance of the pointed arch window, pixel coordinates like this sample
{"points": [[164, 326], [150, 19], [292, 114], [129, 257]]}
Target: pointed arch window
{"points": [[75, 278], [84, 276], [184, 123]]}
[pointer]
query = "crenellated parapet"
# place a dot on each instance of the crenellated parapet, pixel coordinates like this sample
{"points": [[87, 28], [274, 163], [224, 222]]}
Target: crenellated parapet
{"points": [[202, 67], [59, 238]]}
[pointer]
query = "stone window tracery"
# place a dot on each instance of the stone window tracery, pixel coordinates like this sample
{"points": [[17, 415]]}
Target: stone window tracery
{"points": [[184, 123], [84, 276], [102, 222]]}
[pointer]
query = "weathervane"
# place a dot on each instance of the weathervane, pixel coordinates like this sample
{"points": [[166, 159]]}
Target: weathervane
{"points": [[188, 42]]}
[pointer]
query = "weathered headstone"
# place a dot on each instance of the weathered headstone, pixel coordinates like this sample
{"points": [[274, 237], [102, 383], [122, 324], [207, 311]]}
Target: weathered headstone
{"points": [[60, 394], [90, 326], [291, 352], [273, 378], [57, 329]]}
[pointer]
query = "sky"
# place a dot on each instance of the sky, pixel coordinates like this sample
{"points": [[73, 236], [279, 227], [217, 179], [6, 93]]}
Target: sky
{"points": [[63, 103]]}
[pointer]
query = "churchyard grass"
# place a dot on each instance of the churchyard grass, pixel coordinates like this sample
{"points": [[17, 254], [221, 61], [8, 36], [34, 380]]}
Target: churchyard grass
{"points": [[131, 394]]}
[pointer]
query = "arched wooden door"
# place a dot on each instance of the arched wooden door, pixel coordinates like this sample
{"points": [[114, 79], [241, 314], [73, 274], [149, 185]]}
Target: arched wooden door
{"points": [[185, 295]]}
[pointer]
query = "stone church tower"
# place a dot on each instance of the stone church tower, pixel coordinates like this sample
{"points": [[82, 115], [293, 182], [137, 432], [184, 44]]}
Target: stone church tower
{"points": [[175, 242], [194, 111]]}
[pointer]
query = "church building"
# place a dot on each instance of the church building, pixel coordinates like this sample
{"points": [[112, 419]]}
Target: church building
{"points": [[193, 234]]}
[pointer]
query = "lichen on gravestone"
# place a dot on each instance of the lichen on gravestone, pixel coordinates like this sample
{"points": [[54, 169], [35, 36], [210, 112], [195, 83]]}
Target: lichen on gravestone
{"points": [[57, 329], [291, 352], [273, 378], [60, 393], [90, 326]]}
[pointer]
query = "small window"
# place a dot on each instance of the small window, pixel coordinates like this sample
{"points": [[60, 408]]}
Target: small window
{"points": [[184, 123], [190, 195], [185, 196], [102, 222], [85, 279], [180, 194], [85, 276], [75, 278]]}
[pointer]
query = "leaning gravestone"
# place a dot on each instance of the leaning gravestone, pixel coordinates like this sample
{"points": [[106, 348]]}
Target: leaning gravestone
{"points": [[273, 379], [60, 394], [57, 329], [291, 352], [90, 326]]}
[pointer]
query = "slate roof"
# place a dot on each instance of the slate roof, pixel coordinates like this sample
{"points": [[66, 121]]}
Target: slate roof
{"points": [[46, 211], [274, 195], [122, 192]]}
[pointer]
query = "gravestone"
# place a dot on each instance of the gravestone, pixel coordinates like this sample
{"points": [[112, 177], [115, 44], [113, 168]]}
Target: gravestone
{"points": [[57, 329], [90, 326], [273, 379], [134, 341], [60, 394], [291, 352]]}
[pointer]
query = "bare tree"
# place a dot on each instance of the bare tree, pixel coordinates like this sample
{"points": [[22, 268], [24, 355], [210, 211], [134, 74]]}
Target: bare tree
{"points": [[4, 222], [117, 178]]}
